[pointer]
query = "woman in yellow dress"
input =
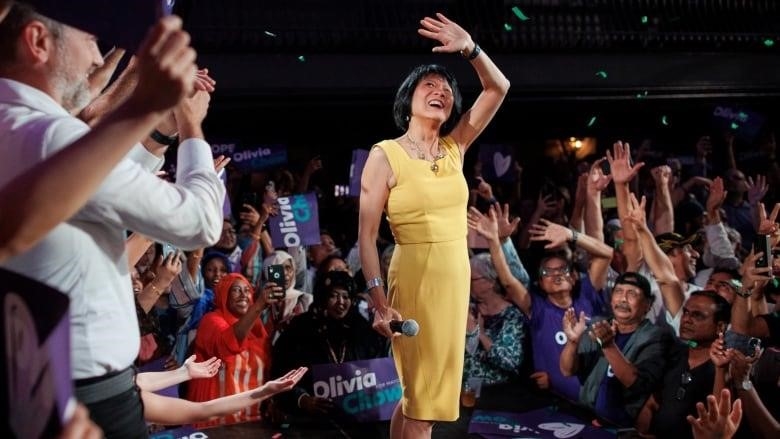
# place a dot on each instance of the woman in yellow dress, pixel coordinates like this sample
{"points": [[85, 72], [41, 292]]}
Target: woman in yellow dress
{"points": [[417, 179]]}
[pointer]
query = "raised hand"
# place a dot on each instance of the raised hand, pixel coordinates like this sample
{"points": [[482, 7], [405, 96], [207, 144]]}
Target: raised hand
{"points": [[661, 174], [204, 82], [506, 227], [546, 230], [597, 181], [166, 269], [204, 369], [603, 332], [574, 327], [620, 163], [484, 189], [767, 225], [249, 215], [757, 189], [166, 66], [720, 356], [717, 195], [719, 420], [635, 213], [485, 225], [452, 37], [754, 277], [220, 162], [545, 205], [100, 77], [314, 165]]}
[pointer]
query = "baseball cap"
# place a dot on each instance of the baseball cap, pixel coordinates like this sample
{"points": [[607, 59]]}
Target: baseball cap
{"points": [[637, 280], [670, 241], [118, 22]]}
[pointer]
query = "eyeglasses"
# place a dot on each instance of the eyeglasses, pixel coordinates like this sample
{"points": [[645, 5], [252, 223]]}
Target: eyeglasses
{"points": [[555, 271], [685, 379]]}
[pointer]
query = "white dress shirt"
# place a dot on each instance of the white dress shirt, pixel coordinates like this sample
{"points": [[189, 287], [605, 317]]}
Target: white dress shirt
{"points": [[85, 258]]}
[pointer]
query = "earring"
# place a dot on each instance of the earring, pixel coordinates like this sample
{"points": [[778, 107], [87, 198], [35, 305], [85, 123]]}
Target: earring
{"points": [[407, 118]]}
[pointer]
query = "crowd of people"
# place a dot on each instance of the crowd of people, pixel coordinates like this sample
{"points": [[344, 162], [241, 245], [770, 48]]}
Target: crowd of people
{"points": [[654, 314]]}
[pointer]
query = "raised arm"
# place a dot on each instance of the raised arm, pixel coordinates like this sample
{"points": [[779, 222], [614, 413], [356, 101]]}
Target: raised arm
{"points": [[495, 86], [663, 220], [52, 191], [487, 226], [660, 265], [574, 327], [173, 411], [622, 173], [154, 381]]}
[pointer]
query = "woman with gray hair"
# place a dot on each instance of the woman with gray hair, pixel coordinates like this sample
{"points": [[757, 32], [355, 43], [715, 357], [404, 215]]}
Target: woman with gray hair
{"points": [[294, 301], [495, 328]]}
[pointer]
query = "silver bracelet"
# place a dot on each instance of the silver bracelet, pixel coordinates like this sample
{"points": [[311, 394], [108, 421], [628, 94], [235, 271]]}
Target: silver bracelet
{"points": [[375, 282]]}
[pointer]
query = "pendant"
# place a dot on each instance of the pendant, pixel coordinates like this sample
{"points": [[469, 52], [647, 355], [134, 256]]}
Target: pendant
{"points": [[434, 167]]}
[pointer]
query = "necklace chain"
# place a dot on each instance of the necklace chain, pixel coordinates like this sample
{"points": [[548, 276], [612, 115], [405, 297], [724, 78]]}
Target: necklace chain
{"points": [[421, 154], [333, 354]]}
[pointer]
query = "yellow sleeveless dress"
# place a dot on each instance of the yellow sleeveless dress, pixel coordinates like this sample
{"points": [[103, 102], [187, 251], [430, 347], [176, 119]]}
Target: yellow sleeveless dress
{"points": [[429, 278]]}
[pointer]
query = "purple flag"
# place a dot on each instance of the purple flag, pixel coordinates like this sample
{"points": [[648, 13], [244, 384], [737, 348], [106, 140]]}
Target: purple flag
{"points": [[497, 163], [251, 157], [298, 222], [359, 157], [35, 371], [543, 423], [227, 209], [367, 390]]}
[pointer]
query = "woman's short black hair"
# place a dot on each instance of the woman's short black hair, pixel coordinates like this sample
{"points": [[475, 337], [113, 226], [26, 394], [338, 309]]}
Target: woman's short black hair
{"points": [[402, 108]]}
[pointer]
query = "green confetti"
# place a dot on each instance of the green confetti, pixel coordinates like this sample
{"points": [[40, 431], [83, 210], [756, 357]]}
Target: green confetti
{"points": [[602, 74], [519, 13], [641, 95], [644, 19], [507, 27], [592, 121], [769, 42], [734, 125], [664, 120], [301, 58]]}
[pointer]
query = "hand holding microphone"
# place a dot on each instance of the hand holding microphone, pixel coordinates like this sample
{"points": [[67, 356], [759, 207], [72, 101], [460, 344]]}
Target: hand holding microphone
{"points": [[383, 317], [409, 328]]}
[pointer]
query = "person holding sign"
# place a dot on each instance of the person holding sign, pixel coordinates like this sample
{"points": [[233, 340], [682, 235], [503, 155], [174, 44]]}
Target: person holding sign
{"points": [[418, 178]]}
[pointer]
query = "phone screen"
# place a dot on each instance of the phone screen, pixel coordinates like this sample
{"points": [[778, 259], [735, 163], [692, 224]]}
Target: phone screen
{"points": [[761, 244], [276, 275]]}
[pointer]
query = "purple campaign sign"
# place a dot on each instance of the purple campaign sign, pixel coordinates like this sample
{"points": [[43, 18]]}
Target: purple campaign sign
{"points": [[36, 397], [227, 209], [497, 163], [367, 390], [359, 157], [542, 423], [298, 222], [186, 432], [251, 157]]}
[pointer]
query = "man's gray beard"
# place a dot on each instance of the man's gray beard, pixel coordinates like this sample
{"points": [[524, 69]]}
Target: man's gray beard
{"points": [[76, 97]]}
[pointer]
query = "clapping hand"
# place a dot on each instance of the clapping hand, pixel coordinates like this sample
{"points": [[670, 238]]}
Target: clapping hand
{"points": [[574, 327]]}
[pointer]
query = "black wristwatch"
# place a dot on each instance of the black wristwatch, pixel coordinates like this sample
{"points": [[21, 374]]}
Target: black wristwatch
{"points": [[162, 139]]}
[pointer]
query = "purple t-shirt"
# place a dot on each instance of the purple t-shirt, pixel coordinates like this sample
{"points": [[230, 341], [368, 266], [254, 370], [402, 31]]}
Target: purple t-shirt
{"points": [[548, 338]]}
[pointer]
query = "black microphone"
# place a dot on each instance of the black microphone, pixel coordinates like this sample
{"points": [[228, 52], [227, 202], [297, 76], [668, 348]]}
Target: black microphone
{"points": [[409, 328]]}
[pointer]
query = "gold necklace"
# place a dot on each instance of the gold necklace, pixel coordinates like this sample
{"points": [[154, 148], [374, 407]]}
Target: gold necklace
{"points": [[333, 354], [421, 154]]}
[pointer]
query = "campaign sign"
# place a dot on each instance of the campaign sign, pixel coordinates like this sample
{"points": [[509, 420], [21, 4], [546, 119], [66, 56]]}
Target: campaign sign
{"points": [[36, 398], [186, 432], [744, 123], [298, 221], [251, 157], [497, 163], [543, 423], [359, 157], [367, 390]]}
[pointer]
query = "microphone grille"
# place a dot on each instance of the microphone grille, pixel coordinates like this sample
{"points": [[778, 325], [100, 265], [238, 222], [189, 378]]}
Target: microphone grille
{"points": [[410, 328]]}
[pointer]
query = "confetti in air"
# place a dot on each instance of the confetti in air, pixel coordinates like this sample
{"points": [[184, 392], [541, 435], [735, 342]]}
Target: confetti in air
{"points": [[644, 19], [602, 74], [301, 58], [641, 95], [270, 34], [592, 121], [507, 27], [734, 125], [769, 42], [664, 120], [519, 13]]}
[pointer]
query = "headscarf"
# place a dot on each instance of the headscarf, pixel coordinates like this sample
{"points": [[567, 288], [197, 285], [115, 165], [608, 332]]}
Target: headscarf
{"points": [[222, 294]]}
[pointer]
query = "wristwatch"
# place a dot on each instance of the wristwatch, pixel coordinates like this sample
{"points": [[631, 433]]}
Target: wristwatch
{"points": [[745, 385]]}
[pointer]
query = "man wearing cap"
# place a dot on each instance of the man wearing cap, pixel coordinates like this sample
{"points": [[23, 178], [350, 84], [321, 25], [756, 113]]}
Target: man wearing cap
{"points": [[680, 252], [618, 362], [44, 67]]}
